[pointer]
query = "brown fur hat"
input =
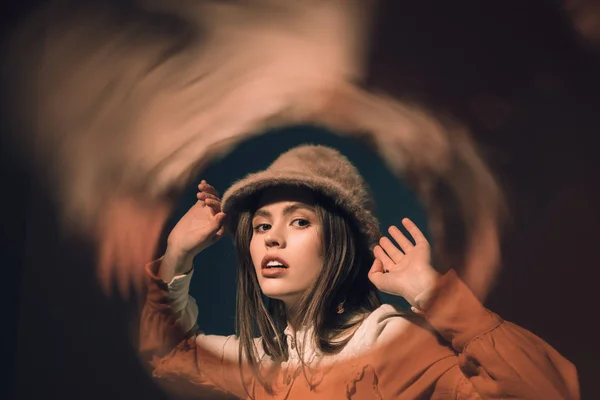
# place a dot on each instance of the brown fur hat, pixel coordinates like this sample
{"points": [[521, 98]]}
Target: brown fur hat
{"points": [[315, 167]]}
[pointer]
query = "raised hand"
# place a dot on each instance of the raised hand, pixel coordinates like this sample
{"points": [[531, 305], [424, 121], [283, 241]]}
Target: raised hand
{"points": [[404, 269], [199, 228]]}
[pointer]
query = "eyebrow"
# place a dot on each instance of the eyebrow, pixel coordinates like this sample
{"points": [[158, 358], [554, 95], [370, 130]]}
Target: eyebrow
{"points": [[287, 210]]}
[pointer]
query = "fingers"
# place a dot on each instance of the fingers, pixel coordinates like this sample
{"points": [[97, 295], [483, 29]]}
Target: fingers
{"points": [[205, 187], [213, 202], [405, 244], [209, 196], [377, 275], [414, 231], [214, 205], [376, 270], [377, 267], [380, 254], [392, 251], [204, 195], [219, 219]]}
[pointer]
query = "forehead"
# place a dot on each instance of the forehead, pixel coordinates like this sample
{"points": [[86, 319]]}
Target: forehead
{"points": [[283, 195]]}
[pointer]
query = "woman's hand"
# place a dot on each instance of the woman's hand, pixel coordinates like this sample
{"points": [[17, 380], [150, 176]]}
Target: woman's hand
{"points": [[199, 228], [404, 270]]}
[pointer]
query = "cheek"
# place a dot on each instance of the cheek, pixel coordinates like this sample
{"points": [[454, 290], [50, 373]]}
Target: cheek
{"points": [[314, 252]]}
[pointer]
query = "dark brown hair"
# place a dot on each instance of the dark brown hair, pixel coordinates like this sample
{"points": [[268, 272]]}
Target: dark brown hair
{"points": [[343, 278]]}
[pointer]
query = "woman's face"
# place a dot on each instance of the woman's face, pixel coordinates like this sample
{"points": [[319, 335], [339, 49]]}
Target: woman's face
{"points": [[286, 247]]}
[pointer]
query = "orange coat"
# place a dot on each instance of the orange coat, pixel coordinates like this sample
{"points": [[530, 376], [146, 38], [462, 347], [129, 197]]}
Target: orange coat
{"points": [[458, 350]]}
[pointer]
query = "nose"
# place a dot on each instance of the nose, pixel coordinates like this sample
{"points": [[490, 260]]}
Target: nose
{"points": [[275, 238]]}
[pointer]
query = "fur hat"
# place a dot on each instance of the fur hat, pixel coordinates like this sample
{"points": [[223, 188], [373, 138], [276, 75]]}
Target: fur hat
{"points": [[319, 168]]}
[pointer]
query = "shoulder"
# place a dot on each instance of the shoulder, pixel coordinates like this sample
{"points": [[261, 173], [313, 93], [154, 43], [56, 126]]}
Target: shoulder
{"points": [[391, 331], [387, 315], [387, 323]]}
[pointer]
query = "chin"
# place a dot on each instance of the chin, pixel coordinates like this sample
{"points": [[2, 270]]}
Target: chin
{"points": [[278, 293], [274, 296]]}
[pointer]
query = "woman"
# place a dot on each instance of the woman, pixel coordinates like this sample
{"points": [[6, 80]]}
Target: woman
{"points": [[309, 320]]}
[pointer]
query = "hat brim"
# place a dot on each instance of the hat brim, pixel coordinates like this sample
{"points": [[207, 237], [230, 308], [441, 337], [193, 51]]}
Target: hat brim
{"points": [[243, 195]]}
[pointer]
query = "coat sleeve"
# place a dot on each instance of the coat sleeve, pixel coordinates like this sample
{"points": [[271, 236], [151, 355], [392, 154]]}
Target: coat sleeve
{"points": [[181, 357], [496, 358]]}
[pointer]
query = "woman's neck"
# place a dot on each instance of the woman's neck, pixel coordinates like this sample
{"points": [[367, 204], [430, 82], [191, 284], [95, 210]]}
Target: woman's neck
{"points": [[291, 314]]}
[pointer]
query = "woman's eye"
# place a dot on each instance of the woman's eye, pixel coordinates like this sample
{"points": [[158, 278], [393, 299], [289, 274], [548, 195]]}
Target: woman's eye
{"points": [[301, 222], [261, 227]]}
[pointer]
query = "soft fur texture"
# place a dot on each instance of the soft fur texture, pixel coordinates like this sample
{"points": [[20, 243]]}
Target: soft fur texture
{"points": [[318, 168], [119, 108]]}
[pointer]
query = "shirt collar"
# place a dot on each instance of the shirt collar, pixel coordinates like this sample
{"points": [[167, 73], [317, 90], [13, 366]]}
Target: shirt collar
{"points": [[302, 340]]}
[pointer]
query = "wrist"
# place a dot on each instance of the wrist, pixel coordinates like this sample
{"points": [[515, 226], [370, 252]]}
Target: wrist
{"points": [[175, 262], [178, 252], [424, 299], [427, 292]]}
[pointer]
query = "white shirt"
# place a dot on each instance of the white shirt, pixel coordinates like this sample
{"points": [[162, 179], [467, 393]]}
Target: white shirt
{"points": [[219, 359]]}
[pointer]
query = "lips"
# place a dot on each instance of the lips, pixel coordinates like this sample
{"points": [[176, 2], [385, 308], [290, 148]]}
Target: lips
{"points": [[269, 258]]}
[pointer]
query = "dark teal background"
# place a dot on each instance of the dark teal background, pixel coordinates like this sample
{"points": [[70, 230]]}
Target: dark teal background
{"points": [[214, 282]]}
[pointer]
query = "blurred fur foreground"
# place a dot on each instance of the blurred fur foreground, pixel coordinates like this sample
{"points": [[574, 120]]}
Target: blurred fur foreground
{"points": [[118, 107]]}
